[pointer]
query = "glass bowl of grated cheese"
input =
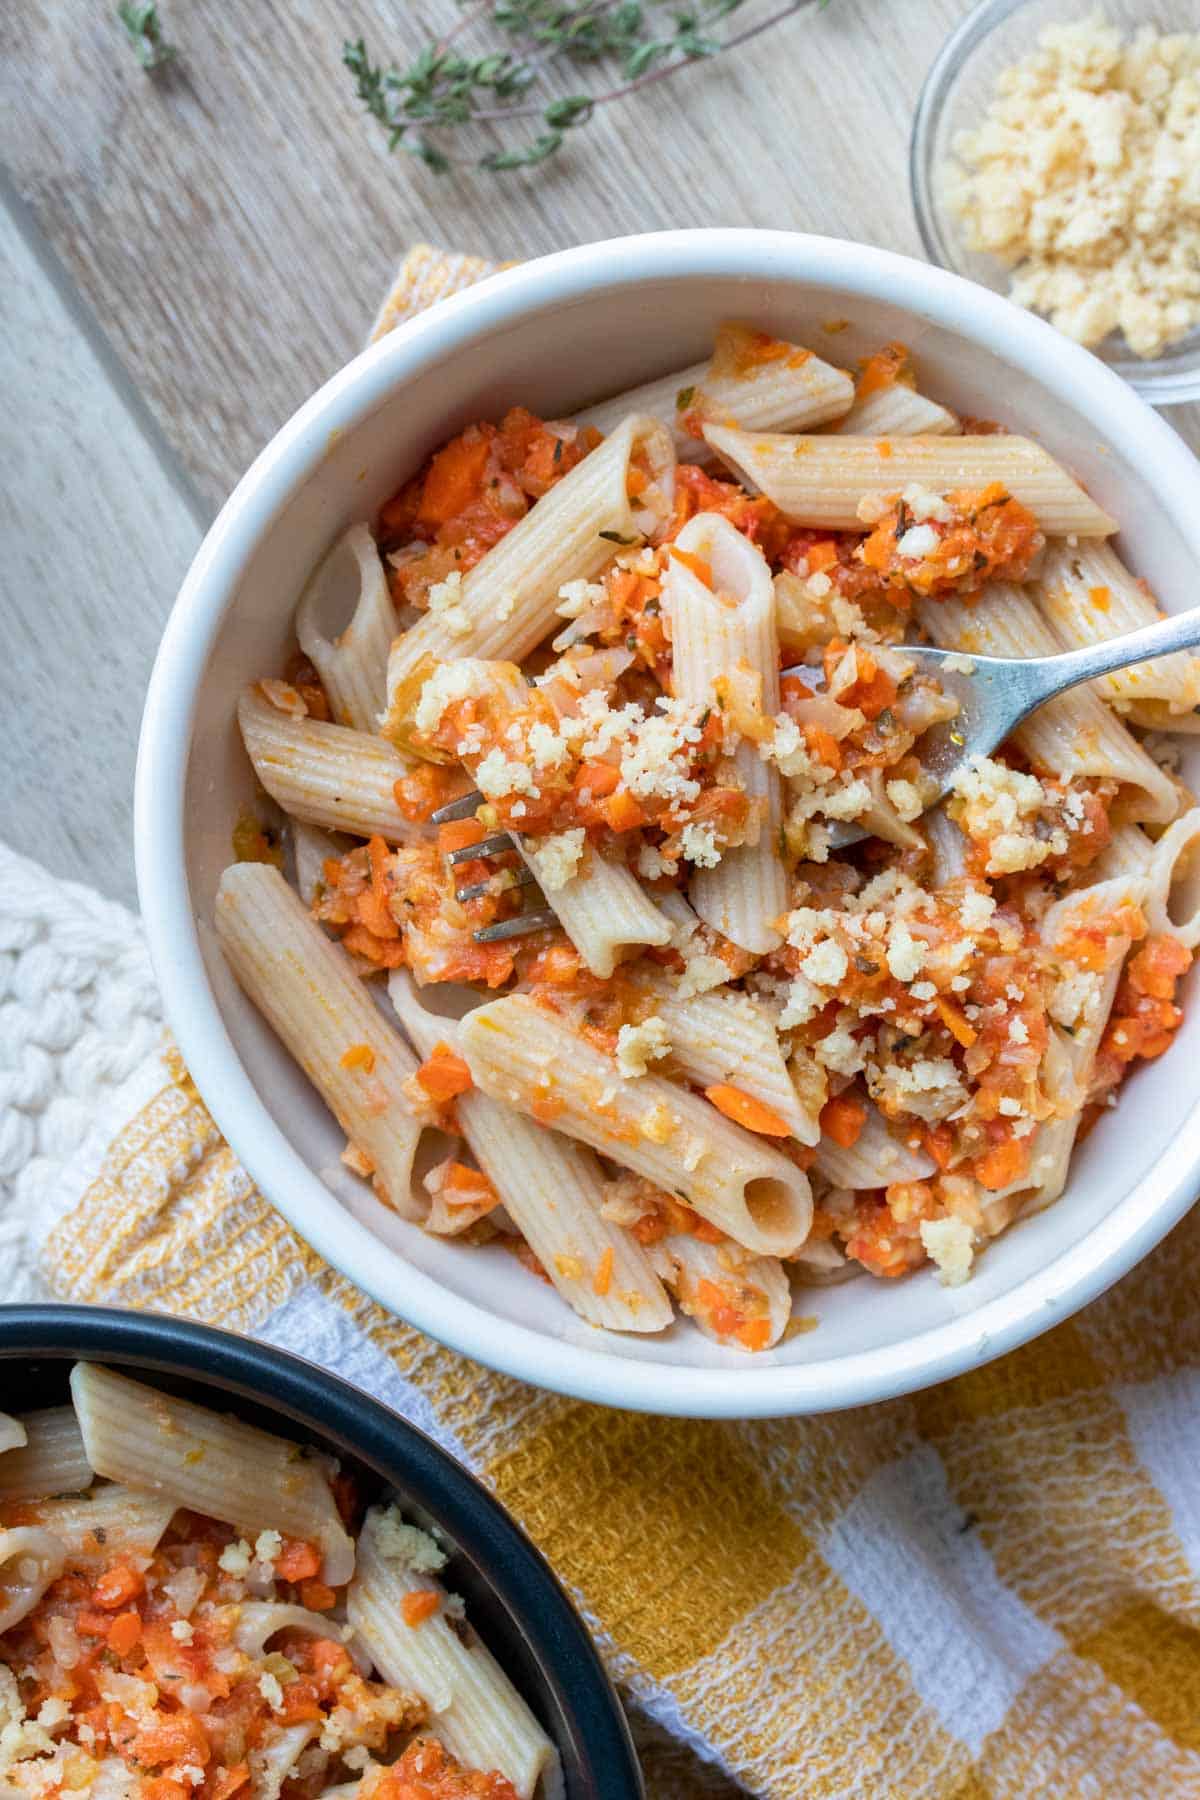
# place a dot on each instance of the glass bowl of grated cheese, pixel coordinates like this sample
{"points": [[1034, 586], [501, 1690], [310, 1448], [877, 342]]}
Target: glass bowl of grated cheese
{"points": [[1055, 158]]}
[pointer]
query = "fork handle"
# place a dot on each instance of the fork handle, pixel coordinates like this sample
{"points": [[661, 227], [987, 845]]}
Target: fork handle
{"points": [[1067, 670]]}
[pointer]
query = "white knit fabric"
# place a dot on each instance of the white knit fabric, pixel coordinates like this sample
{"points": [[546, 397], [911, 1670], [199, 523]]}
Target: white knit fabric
{"points": [[79, 1016]]}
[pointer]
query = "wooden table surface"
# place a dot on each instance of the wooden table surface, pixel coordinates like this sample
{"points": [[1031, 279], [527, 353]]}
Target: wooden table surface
{"points": [[184, 257]]}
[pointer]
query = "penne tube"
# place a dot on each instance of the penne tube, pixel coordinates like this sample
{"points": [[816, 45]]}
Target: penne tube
{"points": [[896, 411], [553, 1191], [209, 1462], [739, 1301], [506, 604], [947, 848], [1073, 735], [105, 1521], [819, 481], [12, 1434], [273, 1761], [258, 1621], [603, 907], [789, 389], [477, 1712], [874, 1160], [312, 848], [324, 774], [725, 651], [49, 1460], [1171, 870], [30, 1559], [529, 1058], [1088, 595], [723, 1037], [353, 665], [306, 988]]}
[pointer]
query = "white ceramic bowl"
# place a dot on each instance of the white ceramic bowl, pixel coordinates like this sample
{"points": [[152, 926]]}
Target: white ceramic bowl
{"points": [[555, 334]]}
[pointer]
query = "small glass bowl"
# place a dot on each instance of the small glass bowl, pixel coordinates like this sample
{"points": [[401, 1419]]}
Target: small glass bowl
{"points": [[956, 94]]}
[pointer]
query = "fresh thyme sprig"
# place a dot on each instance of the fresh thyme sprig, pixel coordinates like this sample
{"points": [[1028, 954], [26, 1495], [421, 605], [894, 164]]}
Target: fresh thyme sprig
{"points": [[442, 90], [144, 31]]}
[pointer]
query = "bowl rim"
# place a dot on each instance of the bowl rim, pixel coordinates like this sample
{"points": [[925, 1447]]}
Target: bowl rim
{"points": [[1106, 1251], [1156, 379], [235, 1366]]}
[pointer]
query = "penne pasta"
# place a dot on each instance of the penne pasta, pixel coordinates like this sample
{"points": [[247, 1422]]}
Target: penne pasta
{"points": [[106, 1521], [524, 1055], [30, 1559], [480, 1716], [947, 846], [306, 988], [895, 411], [209, 1462], [820, 481], [258, 1621], [553, 1191], [325, 775], [1170, 866], [12, 1433], [875, 1159], [743, 1302], [50, 1458], [507, 601], [751, 380], [352, 665], [1088, 594], [725, 651], [272, 1762], [603, 907], [719, 1036], [1074, 735]]}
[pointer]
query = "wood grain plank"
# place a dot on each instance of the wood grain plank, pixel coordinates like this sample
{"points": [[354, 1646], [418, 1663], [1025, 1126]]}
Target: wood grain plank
{"points": [[233, 224], [97, 534]]}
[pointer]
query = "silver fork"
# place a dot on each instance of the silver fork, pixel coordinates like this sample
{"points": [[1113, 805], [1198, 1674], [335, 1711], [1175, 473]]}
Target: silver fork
{"points": [[993, 698]]}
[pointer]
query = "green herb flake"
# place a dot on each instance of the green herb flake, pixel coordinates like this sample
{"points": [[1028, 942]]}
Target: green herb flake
{"points": [[143, 29]]}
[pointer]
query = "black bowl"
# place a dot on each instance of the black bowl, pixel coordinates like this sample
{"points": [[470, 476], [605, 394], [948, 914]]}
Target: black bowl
{"points": [[512, 1596]]}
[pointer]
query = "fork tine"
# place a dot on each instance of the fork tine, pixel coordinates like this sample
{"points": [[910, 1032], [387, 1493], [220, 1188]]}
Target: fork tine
{"points": [[521, 926], [489, 846], [462, 808], [507, 878]]}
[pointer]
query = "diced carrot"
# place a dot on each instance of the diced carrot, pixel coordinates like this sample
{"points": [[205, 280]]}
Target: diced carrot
{"points": [[956, 1022], [821, 556], [823, 745], [939, 1141], [701, 569], [882, 370], [317, 1596], [373, 908], [745, 1110], [384, 953], [458, 833], [297, 1561], [358, 1056], [161, 1787], [229, 1781], [117, 1587], [755, 1334], [329, 1659], [454, 480], [602, 1280], [124, 1633], [1157, 967], [622, 812], [172, 1737], [599, 778], [636, 481], [1100, 597], [1003, 1163], [842, 1119], [546, 1108], [444, 1074], [464, 1186], [724, 1318], [420, 1604]]}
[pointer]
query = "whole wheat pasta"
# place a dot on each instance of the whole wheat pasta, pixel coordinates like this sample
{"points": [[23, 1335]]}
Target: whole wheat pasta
{"points": [[325, 775], [306, 988], [352, 665], [820, 481]]}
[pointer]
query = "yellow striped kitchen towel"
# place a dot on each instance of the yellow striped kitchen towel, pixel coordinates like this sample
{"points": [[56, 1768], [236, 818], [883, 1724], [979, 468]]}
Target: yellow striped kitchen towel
{"points": [[985, 1592]]}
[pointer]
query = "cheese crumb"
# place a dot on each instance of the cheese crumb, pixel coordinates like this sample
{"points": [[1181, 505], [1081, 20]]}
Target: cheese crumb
{"points": [[905, 953], [997, 808], [638, 1045], [235, 1559], [398, 1542], [556, 859], [269, 1688], [699, 845], [950, 1244], [267, 1546], [905, 796], [497, 777], [181, 1631], [445, 603], [826, 964]]}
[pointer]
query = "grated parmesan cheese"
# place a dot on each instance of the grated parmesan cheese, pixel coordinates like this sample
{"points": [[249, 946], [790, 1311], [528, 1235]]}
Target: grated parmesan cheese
{"points": [[1082, 179], [950, 1244], [639, 1045]]}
